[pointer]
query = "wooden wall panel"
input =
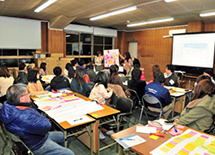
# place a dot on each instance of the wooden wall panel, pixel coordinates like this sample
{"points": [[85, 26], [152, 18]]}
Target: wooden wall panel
{"points": [[152, 47], [195, 26], [56, 40], [44, 37], [209, 27]]}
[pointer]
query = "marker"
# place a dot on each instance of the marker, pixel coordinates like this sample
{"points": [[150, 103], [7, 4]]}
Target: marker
{"points": [[175, 129], [126, 139], [157, 134]]}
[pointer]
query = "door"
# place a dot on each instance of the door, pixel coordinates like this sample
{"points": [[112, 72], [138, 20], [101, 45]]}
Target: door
{"points": [[133, 48]]}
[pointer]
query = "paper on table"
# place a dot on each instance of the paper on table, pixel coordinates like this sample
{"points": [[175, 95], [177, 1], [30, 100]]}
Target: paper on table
{"points": [[176, 94], [166, 126], [129, 143], [78, 120], [143, 129]]}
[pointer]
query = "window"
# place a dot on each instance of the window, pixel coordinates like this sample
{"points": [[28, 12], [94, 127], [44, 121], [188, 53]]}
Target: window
{"points": [[12, 57], [85, 46]]}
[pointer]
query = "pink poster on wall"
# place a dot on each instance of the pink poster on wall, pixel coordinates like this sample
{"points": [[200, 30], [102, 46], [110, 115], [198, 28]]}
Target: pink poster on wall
{"points": [[111, 57]]}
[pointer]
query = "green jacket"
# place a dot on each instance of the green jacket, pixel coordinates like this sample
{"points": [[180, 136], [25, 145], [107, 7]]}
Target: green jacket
{"points": [[198, 114]]}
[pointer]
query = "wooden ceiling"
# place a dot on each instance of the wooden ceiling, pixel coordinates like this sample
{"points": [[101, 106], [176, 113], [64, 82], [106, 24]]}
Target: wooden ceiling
{"points": [[182, 10]]}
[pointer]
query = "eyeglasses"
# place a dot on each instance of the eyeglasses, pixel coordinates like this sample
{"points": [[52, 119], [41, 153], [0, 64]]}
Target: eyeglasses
{"points": [[26, 94]]}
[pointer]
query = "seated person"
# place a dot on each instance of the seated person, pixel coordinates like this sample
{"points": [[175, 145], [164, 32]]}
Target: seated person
{"points": [[114, 78], [136, 63], [78, 83], [59, 81], [66, 70], [199, 112], [34, 85], [209, 73], [81, 64], [72, 69], [22, 75], [136, 84], [6, 81], [161, 93], [43, 69], [100, 91], [29, 125], [155, 68], [91, 73], [171, 79]]}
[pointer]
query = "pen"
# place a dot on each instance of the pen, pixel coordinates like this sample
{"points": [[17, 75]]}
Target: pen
{"points": [[175, 129], [126, 139], [157, 134]]}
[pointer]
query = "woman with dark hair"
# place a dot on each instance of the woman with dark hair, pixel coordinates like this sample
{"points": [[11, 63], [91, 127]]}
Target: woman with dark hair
{"points": [[6, 80], [155, 69], [34, 85], [78, 83], [136, 84], [128, 62], [136, 63], [100, 91], [66, 70], [199, 112], [43, 70], [98, 61], [114, 78], [72, 68]]}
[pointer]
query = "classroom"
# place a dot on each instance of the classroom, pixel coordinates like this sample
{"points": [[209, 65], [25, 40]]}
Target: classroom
{"points": [[107, 77]]}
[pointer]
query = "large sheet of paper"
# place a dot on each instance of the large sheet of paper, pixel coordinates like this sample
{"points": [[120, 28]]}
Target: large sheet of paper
{"points": [[111, 57], [189, 143], [69, 108]]}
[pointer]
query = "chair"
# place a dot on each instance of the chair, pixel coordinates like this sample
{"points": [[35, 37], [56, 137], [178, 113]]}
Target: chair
{"points": [[15, 139], [150, 100], [135, 98], [125, 106], [90, 85]]}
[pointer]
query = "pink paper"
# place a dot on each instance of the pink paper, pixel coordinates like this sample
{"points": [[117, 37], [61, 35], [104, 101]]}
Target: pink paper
{"points": [[192, 133], [207, 154], [186, 150], [174, 143], [205, 137], [180, 126], [172, 132], [179, 139]]}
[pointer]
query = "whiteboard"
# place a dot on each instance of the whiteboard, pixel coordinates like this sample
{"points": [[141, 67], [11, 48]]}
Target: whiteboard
{"points": [[17, 33], [193, 50]]}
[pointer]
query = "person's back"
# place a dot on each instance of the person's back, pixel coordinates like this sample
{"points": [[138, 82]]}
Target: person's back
{"points": [[22, 75], [91, 73], [199, 113], [59, 81]]}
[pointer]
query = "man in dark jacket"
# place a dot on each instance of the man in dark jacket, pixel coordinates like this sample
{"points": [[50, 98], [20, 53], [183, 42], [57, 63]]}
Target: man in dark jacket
{"points": [[59, 81], [171, 79], [28, 124], [161, 93], [91, 73], [22, 75]]}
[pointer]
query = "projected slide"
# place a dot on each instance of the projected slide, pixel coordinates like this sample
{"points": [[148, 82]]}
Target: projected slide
{"points": [[194, 50]]}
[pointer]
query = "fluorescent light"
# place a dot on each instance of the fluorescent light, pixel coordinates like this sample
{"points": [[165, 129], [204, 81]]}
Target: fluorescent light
{"points": [[151, 22], [114, 13], [207, 14], [169, 1], [45, 5]]}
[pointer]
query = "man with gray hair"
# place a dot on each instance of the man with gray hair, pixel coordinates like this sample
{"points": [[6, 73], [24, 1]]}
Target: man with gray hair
{"points": [[32, 127], [161, 93]]}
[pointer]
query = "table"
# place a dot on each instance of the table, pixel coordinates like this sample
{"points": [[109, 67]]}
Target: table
{"points": [[66, 128], [98, 115], [175, 97], [144, 148]]}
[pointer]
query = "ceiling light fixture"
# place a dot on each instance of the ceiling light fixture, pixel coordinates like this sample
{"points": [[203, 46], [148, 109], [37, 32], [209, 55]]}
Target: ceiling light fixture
{"points": [[151, 22], [114, 13], [169, 1], [207, 14], [45, 5]]}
